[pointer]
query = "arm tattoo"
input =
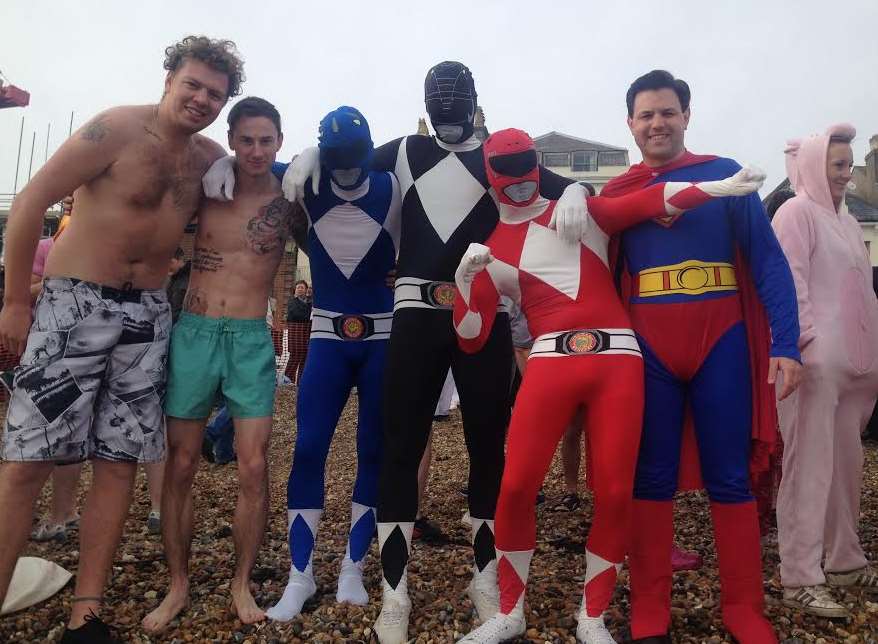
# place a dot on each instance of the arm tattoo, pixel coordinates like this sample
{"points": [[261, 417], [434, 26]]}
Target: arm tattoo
{"points": [[195, 301], [267, 231], [95, 130], [208, 260]]}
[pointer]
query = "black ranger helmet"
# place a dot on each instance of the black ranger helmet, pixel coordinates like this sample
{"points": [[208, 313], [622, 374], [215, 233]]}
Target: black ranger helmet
{"points": [[450, 97]]}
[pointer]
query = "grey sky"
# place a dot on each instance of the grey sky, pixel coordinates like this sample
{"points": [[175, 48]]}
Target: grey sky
{"points": [[760, 71]]}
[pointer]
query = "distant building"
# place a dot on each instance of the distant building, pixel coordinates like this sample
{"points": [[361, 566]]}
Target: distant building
{"points": [[581, 159], [861, 200]]}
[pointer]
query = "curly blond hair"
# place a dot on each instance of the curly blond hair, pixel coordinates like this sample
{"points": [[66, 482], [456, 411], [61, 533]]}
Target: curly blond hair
{"points": [[221, 55]]}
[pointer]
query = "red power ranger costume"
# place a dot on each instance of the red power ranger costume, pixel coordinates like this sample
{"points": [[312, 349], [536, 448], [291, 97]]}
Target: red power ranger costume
{"points": [[585, 353]]}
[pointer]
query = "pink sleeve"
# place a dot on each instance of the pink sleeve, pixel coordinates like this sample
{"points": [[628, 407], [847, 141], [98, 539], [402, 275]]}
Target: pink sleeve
{"points": [[43, 248], [792, 226]]}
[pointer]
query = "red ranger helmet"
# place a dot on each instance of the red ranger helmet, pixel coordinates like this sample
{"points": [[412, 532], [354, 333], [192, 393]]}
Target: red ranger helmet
{"points": [[511, 164]]}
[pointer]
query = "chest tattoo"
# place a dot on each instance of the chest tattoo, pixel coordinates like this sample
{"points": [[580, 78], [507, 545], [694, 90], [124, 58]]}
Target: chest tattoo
{"points": [[268, 230], [208, 260]]}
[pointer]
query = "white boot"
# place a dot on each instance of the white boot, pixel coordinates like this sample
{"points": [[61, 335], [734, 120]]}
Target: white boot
{"points": [[301, 585], [350, 583], [482, 589], [392, 625], [484, 593], [591, 630], [299, 589], [499, 628]]}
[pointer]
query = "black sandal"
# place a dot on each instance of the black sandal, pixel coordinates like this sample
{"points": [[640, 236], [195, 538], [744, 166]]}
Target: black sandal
{"points": [[569, 503]]}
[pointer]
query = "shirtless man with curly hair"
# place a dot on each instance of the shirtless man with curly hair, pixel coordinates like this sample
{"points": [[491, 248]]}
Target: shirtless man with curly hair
{"points": [[93, 349]]}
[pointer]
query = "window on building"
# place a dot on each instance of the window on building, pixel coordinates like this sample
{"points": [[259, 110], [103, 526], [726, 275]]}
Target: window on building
{"points": [[556, 159], [612, 158], [585, 161]]}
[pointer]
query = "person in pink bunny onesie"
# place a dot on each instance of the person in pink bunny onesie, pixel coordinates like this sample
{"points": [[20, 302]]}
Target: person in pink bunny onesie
{"points": [[821, 423]]}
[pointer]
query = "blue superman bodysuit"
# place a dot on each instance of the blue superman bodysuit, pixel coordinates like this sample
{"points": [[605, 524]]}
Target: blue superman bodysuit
{"points": [[688, 278], [353, 238]]}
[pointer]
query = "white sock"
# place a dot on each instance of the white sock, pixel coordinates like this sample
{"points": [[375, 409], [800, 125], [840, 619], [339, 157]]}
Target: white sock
{"points": [[350, 583], [299, 589], [301, 585]]}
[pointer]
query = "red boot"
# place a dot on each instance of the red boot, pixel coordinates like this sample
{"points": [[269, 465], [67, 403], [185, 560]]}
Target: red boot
{"points": [[649, 562], [736, 531]]}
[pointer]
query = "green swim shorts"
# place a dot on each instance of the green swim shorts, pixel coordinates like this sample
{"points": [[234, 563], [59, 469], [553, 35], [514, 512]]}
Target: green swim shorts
{"points": [[207, 355]]}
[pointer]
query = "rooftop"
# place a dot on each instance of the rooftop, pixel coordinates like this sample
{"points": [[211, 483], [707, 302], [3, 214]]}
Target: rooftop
{"points": [[559, 142]]}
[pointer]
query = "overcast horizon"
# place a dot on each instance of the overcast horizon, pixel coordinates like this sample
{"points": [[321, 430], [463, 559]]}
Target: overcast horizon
{"points": [[760, 73]]}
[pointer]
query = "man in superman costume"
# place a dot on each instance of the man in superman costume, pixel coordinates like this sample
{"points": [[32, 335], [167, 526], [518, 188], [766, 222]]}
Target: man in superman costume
{"points": [[703, 291]]}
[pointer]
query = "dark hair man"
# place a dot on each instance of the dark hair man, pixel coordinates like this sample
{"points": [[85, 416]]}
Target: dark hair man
{"points": [[221, 343], [702, 275]]}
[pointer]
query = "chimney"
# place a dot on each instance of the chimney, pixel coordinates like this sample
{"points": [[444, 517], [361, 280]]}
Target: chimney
{"points": [[479, 128], [479, 119], [872, 162]]}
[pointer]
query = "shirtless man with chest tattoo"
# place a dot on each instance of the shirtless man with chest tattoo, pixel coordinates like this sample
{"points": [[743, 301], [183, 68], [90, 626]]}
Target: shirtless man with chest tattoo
{"points": [[222, 343], [92, 374]]}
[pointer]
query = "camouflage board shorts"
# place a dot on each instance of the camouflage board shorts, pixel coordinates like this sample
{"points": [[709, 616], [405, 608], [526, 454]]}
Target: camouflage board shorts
{"points": [[92, 379]]}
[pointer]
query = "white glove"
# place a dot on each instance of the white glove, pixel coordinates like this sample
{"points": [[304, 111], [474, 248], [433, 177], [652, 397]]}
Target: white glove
{"points": [[306, 164], [570, 217], [474, 261], [219, 180], [745, 181]]}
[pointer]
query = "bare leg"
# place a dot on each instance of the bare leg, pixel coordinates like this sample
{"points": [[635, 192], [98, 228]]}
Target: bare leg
{"points": [[571, 453], [20, 484], [155, 473], [100, 531], [184, 452], [251, 435], [65, 482]]}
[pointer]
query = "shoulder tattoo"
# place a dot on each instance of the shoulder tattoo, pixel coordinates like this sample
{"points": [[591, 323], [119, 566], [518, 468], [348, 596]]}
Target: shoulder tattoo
{"points": [[95, 130]]}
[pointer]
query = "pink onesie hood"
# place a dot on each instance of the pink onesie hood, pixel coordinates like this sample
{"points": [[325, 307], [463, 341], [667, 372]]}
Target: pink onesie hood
{"points": [[806, 164]]}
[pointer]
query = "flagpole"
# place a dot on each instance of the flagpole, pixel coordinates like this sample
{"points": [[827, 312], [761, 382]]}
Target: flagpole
{"points": [[32, 144], [18, 158]]}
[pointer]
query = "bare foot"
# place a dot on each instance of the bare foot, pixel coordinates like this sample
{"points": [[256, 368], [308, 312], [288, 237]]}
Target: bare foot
{"points": [[243, 604], [172, 605]]}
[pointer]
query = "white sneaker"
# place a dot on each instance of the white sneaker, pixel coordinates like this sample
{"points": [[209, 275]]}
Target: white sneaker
{"points": [[392, 625], [865, 578], [592, 630], [499, 628], [483, 592], [814, 600]]}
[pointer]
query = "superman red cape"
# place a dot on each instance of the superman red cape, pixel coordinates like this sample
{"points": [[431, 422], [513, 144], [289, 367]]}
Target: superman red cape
{"points": [[765, 430]]}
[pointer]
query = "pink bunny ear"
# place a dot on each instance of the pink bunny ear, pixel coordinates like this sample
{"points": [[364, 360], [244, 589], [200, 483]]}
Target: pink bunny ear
{"points": [[791, 152], [842, 131]]}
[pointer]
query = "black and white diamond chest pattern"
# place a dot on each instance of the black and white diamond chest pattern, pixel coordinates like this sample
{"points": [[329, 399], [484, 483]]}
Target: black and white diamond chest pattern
{"points": [[446, 205]]}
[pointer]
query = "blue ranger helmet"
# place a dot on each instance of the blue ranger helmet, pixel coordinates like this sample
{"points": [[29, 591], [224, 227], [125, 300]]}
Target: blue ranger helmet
{"points": [[345, 146]]}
